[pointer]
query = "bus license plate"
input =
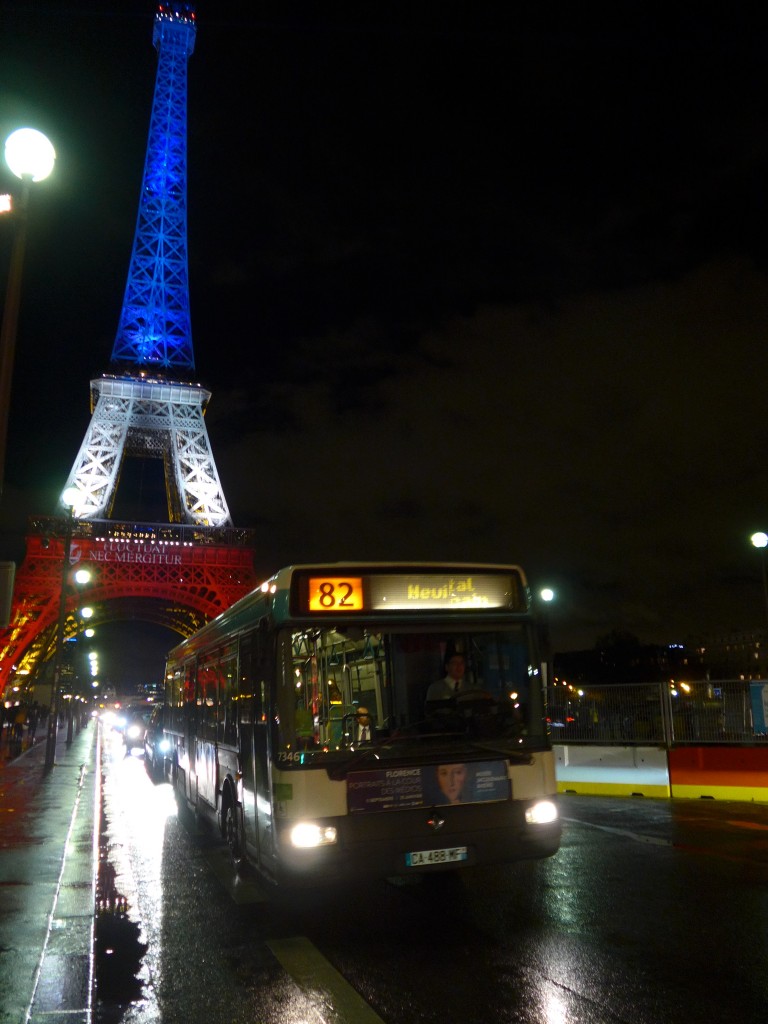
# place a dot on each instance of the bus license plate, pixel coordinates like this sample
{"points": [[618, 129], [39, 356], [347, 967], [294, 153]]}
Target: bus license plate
{"points": [[420, 857]]}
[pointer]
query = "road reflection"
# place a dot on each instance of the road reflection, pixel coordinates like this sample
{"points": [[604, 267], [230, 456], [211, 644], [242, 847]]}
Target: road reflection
{"points": [[157, 866], [135, 816], [612, 928]]}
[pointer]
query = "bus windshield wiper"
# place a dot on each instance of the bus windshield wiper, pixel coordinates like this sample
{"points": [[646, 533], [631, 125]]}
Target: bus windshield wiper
{"points": [[511, 755], [359, 756]]}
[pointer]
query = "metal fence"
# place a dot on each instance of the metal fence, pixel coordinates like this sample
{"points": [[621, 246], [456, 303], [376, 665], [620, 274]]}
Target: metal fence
{"points": [[727, 711]]}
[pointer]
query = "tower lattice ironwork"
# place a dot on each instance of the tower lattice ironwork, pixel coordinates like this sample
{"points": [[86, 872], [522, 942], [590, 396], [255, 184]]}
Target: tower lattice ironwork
{"points": [[146, 409], [155, 328], [182, 573]]}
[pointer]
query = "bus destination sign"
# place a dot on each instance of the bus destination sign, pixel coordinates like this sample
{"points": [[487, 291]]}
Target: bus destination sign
{"points": [[395, 592], [336, 594], [405, 592]]}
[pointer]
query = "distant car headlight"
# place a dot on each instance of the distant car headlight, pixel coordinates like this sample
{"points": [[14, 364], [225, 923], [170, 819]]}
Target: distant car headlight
{"points": [[307, 835], [133, 731], [541, 813]]}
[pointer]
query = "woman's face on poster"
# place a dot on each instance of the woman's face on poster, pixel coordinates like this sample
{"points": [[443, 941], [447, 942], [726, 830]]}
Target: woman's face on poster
{"points": [[451, 779]]}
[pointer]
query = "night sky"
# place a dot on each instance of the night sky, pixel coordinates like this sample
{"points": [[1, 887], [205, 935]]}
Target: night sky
{"points": [[465, 284]]}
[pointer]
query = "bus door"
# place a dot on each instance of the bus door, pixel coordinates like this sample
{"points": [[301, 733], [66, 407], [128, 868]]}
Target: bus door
{"points": [[256, 679], [228, 756]]}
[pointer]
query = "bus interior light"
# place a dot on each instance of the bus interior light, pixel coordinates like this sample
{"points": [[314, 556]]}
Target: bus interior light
{"points": [[307, 835], [541, 813]]}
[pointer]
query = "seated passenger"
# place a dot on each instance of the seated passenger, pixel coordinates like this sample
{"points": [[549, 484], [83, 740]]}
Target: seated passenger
{"points": [[363, 726]]}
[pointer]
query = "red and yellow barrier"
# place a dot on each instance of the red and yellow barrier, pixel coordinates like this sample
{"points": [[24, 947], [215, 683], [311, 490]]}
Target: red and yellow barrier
{"points": [[719, 773], [701, 772]]}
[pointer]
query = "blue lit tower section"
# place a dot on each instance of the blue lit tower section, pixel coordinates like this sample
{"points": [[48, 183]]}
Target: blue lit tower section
{"points": [[155, 328], [145, 408]]}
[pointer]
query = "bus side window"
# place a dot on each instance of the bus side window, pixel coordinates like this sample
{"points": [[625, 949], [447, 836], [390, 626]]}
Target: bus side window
{"points": [[189, 694], [177, 694], [228, 694], [206, 698], [254, 675]]}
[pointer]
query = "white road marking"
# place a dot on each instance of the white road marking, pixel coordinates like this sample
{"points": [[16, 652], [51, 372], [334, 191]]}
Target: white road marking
{"points": [[651, 840], [319, 980]]}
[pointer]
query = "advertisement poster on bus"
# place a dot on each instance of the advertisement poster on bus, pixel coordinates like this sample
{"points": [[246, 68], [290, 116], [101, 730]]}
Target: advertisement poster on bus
{"points": [[458, 782]]}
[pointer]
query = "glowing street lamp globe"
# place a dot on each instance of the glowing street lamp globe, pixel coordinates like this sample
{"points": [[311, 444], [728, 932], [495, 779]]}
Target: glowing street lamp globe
{"points": [[29, 154], [70, 499], [760, 540], [547, 594]]}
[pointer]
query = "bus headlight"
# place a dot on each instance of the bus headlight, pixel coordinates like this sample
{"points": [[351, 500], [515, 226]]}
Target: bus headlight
{"points": [[307, 835], [541, 813]]}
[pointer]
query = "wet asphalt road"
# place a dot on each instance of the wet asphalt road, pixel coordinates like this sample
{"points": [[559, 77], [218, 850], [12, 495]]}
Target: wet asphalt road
{"points": [[653, 912]]}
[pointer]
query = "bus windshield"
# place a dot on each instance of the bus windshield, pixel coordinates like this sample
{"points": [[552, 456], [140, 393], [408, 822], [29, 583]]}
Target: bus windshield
{"points": [[339, 689]]}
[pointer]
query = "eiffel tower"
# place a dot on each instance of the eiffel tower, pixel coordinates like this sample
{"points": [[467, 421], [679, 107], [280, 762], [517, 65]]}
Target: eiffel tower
{"points": [[183, 572]]}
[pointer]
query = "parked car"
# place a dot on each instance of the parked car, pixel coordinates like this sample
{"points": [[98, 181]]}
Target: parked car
{"points": [[156, 743], [560, 716], [132, 723]]}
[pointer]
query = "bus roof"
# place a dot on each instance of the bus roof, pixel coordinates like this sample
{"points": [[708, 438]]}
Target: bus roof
{"points": [[335, 589]]}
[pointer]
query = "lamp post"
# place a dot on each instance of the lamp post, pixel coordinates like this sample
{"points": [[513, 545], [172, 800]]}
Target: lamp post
{"points": [[68, 499], [547, 596], [82, 576], [760, 541], [31, 157]]}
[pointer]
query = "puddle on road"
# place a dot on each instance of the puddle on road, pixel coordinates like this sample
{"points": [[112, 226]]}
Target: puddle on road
{"points": [[118, 949]]}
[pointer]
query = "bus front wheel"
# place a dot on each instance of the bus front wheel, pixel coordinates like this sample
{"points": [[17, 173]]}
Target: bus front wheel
{"points": [[232, 833]]}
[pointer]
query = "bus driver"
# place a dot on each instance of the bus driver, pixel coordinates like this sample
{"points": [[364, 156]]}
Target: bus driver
{"points": [[452, 684]]}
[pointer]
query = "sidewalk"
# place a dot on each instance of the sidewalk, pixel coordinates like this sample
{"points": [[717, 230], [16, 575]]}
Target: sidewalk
{"points": [[48, 861]]}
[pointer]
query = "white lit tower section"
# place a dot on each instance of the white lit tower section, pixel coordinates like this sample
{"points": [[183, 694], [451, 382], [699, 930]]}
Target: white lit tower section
{"points": [[146, 407]]}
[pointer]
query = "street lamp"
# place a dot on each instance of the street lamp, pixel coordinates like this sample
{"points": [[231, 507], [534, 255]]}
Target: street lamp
{"points": [[760, 541], [31, 157], [82, 576], [68, 499], [547, 596]]}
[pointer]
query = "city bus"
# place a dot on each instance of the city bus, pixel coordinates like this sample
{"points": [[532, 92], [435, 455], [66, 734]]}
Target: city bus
{"points": [[264, 706]]}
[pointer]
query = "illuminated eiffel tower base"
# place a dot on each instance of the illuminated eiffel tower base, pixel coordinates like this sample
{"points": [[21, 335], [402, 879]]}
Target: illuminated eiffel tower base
{"points": [[141, 416]]}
